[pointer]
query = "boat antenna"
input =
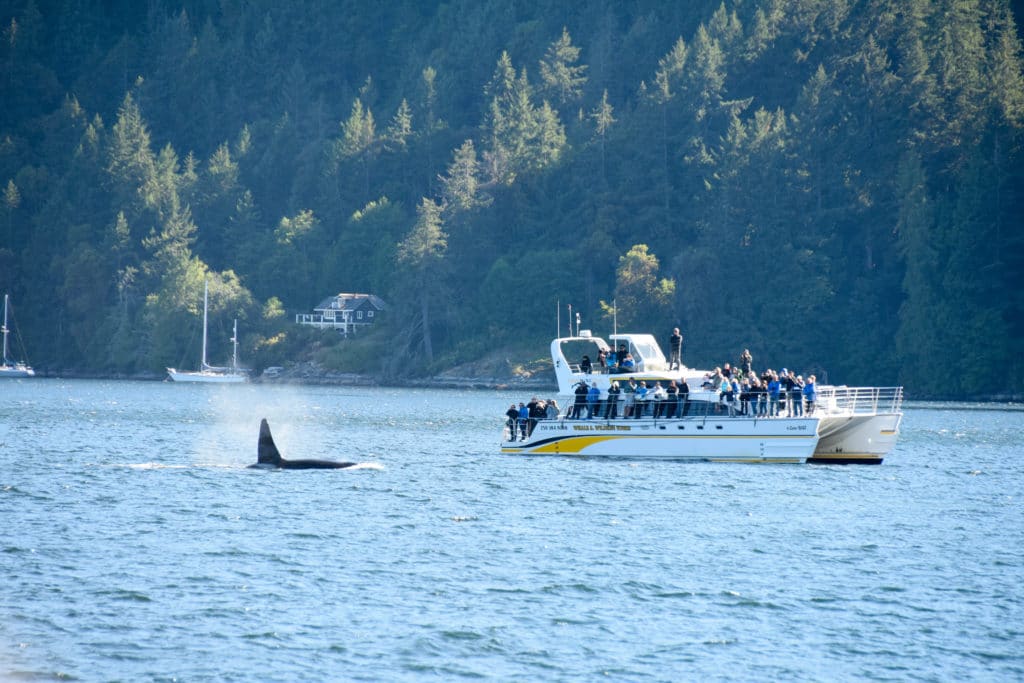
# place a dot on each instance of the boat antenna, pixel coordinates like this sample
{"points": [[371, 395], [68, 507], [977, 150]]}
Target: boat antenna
{"points": [[577, 323], [615, 318], [558, 318], [570, 320]]}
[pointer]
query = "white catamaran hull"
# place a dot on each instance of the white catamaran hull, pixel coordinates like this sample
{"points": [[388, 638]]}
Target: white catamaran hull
{"points": [[856, 439], [706, 439]]}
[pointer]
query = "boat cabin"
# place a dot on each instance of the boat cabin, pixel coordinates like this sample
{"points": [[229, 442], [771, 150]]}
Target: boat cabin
{"points": [[570, 356]]}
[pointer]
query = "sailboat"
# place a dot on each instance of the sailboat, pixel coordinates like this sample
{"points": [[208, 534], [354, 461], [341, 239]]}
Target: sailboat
{"points": [[12, 368], [207, 372]]}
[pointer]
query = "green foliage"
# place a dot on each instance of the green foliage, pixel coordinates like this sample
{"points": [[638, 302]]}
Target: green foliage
{"points": [[641, 298], [562, 77], [830, 183]]}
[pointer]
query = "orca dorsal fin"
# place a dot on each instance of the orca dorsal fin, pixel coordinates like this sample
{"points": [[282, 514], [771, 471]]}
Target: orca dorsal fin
{"points": [[267, 453]]}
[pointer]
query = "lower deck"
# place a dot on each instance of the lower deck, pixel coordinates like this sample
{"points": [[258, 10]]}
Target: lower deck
{"points": [[711, 436]]}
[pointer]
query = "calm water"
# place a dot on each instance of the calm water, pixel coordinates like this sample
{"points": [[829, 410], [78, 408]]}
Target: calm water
{"points": [[136, 546]]}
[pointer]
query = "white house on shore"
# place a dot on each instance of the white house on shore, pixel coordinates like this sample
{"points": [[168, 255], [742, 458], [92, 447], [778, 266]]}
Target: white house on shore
{"points": [[344, 312]]}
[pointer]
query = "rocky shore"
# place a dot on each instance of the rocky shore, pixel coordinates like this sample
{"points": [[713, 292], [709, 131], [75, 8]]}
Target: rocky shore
{"points": [[311, 373]]}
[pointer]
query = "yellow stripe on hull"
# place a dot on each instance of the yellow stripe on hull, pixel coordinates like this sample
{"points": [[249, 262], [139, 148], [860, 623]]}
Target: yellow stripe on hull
{"points": [[575, 444], [783, 448]]}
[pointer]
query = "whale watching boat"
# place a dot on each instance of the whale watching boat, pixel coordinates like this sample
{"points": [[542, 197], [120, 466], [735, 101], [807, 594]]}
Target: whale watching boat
{"points": [[11, 368], [209, 373], [847, 424]]}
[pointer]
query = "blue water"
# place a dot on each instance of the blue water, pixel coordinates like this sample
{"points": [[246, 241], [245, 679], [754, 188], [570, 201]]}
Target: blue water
{"points": [[136, 545]]}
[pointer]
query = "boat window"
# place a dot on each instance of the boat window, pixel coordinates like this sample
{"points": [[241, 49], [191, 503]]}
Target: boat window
{"points": [[575, 350], [648, 351]]}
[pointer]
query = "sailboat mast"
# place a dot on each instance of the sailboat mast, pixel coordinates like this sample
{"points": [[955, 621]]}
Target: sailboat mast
{"points": [[5, 329], [206, 288], [234, 341]]}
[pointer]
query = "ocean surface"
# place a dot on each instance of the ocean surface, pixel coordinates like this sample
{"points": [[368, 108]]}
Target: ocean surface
{"points": [[136, 545]]}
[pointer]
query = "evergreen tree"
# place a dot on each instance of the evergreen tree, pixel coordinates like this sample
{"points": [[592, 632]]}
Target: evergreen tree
{"points": [[400, 128], [562, 78], [462, 182], [421, 255], [130, 159], [603, 120]]}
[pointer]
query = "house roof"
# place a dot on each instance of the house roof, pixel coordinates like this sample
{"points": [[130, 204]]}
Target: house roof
{"points": [[351, 302]]}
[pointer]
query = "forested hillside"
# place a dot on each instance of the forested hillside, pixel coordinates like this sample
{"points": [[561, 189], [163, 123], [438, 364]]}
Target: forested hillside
{"points": [[837, 185]]}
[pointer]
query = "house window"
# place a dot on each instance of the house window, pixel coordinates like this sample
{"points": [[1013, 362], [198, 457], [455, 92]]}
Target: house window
{"points": [[359, 315], [369, 314]]}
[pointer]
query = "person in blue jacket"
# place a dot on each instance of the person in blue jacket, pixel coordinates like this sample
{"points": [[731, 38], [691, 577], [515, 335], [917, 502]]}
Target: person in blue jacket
{"points": [[640, 401], [593, 401], [774, 387], [810, 394]]}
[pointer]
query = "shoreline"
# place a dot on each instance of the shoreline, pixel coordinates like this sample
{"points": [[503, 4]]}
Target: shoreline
{"points": [[340, 379], [312, 377]]}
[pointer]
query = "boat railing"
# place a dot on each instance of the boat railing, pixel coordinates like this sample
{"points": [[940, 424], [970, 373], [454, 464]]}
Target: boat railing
{"points": [[649, 410], [829, 401], [843, 400]]}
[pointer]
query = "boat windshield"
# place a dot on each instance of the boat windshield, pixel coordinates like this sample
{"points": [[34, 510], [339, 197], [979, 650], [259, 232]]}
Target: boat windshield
{"points": [[648, 350], [645, 348]]}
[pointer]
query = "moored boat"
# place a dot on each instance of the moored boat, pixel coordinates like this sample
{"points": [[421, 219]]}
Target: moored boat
{"points": [[208, 373], [846, 425], [12, 368]]}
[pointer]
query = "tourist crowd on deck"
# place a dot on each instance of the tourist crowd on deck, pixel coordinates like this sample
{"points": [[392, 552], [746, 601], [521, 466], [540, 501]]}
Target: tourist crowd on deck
{"points": [[740, 392]]}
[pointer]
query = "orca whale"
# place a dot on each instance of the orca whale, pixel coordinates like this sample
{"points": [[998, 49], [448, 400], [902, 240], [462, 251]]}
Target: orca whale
{"points": [[268, 456]]}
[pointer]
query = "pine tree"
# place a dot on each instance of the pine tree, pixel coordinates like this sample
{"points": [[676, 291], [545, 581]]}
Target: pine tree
{"points": [[400, 128], [12, 200], [603, 119], [462, 181], [130, 160], [422, 254], [560, 75], [922, 338]]}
